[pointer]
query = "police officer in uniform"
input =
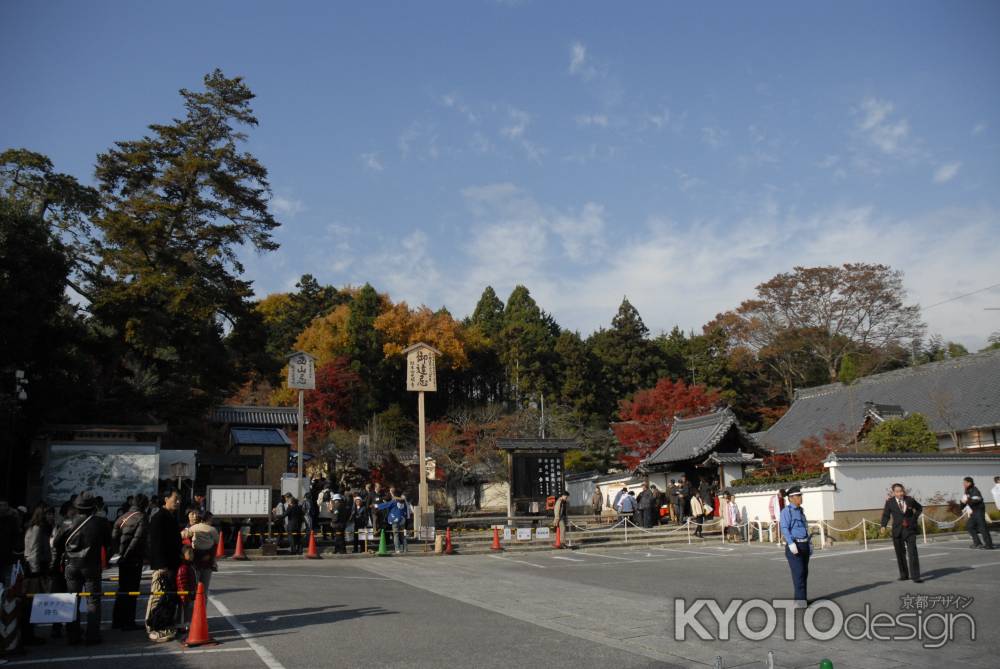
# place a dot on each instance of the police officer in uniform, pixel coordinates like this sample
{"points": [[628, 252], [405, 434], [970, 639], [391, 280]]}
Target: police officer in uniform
{"points": [[798, 548], [81, 545], [904, 511]]}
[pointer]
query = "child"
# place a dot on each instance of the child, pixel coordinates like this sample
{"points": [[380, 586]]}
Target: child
{"points": [[187, 584]]}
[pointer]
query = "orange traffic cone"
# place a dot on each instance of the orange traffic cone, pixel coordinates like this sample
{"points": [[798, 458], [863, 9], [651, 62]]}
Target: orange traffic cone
{"points": [[220, 550], [239, 554], [496, 540], [104, 558], [558, 543], [198, 631], [311, 553], [448, 549]]}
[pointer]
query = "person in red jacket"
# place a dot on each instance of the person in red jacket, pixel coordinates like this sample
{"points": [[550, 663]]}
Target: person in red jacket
{"points": [[187, 584]]}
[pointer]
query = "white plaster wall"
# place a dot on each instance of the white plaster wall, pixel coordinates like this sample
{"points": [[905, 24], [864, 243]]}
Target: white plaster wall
{"points": [[863, 486], [816, 502]]}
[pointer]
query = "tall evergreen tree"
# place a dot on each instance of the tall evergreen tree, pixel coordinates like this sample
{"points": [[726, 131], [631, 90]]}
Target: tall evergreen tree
{"points": [[526, 346], [176, 208], [488, 315], [629, 359]]}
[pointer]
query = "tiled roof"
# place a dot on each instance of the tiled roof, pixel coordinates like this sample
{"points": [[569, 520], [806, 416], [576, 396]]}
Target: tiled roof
{"points": [[260, 436], [738, 458], [913, 457], [692, 438], [953, 395], [537, 444], [762, 487], [256, 415]]}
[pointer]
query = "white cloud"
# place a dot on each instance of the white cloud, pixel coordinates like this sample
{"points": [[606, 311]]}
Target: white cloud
{"points": [[946, 172], [659, 119], [888, 135], [518, 121], [284, 206], [979, 129], [585, 120], [419, 139], [372, 162], [453, 101], [714, 137], [687, 182], [577, 58]]}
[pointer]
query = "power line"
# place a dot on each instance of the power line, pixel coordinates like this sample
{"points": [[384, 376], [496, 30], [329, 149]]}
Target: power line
{"points": [[959, 297]]}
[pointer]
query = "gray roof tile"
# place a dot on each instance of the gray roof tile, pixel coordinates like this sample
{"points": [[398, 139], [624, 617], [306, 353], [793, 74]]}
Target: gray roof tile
{"points": [[692, 438], [958, 394]]}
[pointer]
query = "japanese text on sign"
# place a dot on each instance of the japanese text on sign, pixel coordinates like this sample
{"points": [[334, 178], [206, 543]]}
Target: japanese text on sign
{"points": [[57, 608], [420, 370], [301, 372]]}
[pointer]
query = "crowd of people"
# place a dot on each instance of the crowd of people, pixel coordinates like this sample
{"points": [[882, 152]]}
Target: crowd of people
{"points": [[64, 550], [680, 502], [330, 510]]}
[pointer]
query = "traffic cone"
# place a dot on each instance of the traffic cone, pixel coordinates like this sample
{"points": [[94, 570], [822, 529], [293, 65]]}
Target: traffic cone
{"points": [[496, 540], [558, 543], [198, 631], [104, 558], [448, 549], [220, 550], [239, 554], [311, 552], [383, 550]]}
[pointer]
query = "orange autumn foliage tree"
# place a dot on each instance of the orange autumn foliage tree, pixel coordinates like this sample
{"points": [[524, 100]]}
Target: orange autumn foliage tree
{"points": [[401, 326], [646, 418]]}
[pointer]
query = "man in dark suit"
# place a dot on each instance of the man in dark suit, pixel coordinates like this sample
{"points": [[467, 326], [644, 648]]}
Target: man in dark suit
{"points": [[977, 515], [904, 511]]}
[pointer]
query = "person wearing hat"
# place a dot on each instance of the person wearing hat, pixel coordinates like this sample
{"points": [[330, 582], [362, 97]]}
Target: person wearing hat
{"points": [[339, 515], [795, 530], [360, 518], [80, 545], [904, 511]]}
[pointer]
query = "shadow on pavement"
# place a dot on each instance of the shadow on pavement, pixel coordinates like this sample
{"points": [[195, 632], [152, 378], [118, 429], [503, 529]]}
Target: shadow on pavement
{"points": [[273, 621], [935, 574], [856, 589]]}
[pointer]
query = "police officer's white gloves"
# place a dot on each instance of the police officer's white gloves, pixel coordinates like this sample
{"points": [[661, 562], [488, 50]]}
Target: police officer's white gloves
{"points": [[794, 548]]}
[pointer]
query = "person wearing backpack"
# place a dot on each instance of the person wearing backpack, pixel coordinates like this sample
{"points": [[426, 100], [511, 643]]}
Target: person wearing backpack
{"points": [[128, 540], [81, 545]]}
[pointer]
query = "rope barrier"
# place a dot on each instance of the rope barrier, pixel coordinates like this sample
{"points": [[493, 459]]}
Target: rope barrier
{"points": [[111, 594]]}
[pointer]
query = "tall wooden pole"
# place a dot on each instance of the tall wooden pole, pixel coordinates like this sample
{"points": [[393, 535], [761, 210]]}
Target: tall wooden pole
{"points": [[302, 421], [422, 490]]}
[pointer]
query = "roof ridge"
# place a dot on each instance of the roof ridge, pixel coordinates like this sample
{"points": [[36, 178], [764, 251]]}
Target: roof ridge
{"points": [[926, 368]]}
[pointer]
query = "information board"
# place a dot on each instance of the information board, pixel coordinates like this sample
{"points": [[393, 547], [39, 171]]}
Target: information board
{"points": [[524, 534], [542, 533], [243, 501]]}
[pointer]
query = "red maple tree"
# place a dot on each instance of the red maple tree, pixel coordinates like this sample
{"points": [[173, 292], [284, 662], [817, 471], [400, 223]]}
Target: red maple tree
{"points": [[329, 407], [648, 416]]}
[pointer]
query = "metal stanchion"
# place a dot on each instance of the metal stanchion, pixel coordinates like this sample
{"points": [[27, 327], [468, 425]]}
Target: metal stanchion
{"points": [[923, 526], [688, 524]]}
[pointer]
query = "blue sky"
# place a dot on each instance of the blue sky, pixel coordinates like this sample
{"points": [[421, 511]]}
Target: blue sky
{"points": [[670, 152]]}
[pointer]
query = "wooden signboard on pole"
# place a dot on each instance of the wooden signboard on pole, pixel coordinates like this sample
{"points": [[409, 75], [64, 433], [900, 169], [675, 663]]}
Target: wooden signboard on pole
{"points": [[421, 377], [301, 376]]}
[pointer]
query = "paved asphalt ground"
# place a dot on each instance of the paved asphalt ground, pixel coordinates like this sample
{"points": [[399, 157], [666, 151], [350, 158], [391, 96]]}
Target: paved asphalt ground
{"points": [[609, 608]]}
